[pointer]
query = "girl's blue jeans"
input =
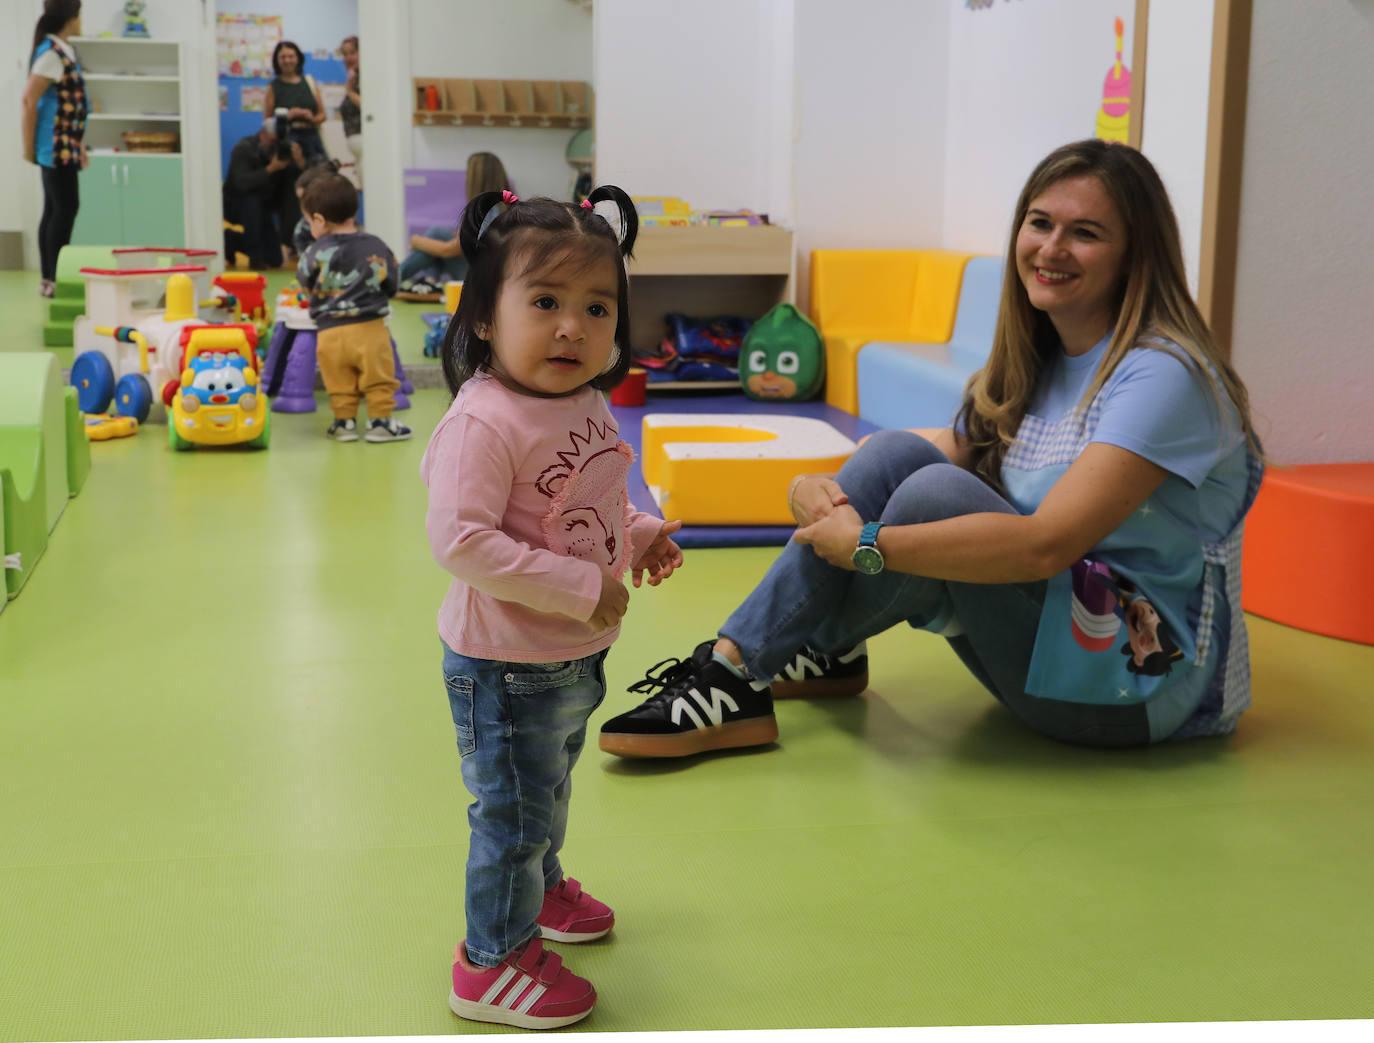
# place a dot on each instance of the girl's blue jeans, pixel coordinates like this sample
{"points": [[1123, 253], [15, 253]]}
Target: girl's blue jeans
{"points": [[521, 728], [900, 478]]}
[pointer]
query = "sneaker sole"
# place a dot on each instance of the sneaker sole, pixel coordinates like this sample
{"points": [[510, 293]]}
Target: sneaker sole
{"points": [[821, 687], [352, 436], [757, 731], [550, 934], [495, 1015], [388, 438]]}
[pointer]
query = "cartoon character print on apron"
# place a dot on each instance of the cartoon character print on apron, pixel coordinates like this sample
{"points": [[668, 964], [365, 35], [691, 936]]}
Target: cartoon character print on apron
{"points": [[1138, 613]]}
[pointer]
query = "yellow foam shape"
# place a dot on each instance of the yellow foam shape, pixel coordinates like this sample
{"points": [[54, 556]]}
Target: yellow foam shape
{"points": [[858, 296], [733, 469]]}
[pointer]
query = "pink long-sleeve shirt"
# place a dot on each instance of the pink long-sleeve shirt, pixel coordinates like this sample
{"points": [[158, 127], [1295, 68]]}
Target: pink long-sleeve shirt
{"points": [[527, 506]]}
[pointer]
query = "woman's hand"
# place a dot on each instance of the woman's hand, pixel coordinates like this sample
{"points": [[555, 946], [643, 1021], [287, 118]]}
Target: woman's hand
{"points": [[813, 496], [834, 536], [660, 558], [300, 113], [85, 157]]}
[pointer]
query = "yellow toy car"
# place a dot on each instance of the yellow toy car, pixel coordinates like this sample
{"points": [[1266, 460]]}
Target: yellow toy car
{"points": [[219, 402]]}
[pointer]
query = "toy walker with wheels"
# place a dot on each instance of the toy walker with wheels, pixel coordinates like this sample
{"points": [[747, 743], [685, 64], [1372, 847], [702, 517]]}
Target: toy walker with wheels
{"points": [[289, 371], [219, 401], [131, 365]]}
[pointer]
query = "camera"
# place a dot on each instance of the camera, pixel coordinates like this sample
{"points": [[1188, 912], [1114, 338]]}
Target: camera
{"points": [[282, 128]]}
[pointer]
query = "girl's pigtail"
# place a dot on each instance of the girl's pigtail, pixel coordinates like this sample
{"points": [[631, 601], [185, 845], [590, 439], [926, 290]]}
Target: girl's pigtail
{"points": [[473, 221], [629, 217]]}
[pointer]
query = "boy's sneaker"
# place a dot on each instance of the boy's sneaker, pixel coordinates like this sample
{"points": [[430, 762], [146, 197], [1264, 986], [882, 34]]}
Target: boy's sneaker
{"points": [[343, 430], [530, 989], [386, 430], [699, 706], [571, 915], [813, 674]]}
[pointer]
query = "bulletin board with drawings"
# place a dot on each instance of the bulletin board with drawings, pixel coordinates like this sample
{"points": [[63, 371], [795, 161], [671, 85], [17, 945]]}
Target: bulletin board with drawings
{"points": [[244, 44]]}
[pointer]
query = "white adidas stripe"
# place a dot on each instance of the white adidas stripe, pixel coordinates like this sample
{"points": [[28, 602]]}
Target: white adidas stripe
{"points": [[531, 998], [500, 983], [713, 708]]}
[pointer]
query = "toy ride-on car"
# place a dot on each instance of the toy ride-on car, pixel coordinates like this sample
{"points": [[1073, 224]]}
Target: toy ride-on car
{"points": [[219, 401]]}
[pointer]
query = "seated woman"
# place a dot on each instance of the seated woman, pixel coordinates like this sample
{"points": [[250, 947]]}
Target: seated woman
{"points": [[435, 257], [1075, 536]]}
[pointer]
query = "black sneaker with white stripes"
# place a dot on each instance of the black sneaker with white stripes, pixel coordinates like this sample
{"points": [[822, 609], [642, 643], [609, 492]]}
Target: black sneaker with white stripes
{"points": [[699, 705], [816, 675]]}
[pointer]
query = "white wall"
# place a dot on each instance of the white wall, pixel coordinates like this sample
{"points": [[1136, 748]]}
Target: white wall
{"points": [[680, 108], [21, 198], [1304, 313], [872, 115], [1025, 78], [1177, 87], [500, 39]]}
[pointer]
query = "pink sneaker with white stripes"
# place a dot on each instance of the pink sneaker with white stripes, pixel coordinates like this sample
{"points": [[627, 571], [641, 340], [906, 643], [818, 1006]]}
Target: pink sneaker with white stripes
{"points": [[530, 989], [570, 914]]}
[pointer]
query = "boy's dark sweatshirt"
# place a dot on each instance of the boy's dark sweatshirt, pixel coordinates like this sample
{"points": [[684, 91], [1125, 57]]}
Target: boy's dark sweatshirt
{"points": [[350, 277]]}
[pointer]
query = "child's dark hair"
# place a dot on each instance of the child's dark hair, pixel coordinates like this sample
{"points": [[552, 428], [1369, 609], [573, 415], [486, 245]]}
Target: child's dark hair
{"points": [[332, 196], [276, 59], [540, 233], [316, 170]]}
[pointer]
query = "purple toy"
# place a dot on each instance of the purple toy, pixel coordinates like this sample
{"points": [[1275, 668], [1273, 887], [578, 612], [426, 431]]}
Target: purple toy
{"points": [[289, 372]]}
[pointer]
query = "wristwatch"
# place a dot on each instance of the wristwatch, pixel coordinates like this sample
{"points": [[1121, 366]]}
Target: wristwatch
{"points": [[867, 558]]}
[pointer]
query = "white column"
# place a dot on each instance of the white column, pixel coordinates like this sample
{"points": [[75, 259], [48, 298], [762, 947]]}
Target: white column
{"points": [[384, 65]]}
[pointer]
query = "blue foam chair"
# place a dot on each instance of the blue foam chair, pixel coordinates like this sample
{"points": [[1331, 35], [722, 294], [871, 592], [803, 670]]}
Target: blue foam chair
{"points": [[921, 385]]}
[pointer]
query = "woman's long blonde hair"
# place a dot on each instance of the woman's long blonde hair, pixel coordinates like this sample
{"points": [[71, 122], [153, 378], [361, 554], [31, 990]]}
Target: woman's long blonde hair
{"points": [[1153, 305], [485, 174]]}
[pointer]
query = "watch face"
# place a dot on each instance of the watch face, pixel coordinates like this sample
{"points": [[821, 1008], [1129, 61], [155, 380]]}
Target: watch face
{"points": [[868, 560]]}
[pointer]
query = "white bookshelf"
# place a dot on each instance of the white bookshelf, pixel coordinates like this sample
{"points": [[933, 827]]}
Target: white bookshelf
{"points": [[132, 84]]}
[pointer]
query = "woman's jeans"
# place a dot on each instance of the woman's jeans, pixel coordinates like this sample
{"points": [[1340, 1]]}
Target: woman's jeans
{"points": [[899, 478], [521, 728], [450, 269], [61, 200]]}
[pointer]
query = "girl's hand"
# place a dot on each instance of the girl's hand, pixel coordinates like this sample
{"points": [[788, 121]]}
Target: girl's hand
{"points": [[834, 536], [813, 497], [612, 604], [660, 558], [85, 157]]}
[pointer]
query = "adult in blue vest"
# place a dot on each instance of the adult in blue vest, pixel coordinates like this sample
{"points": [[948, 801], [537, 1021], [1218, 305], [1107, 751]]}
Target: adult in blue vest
{"points": [[1074, 534], [54, 128]]}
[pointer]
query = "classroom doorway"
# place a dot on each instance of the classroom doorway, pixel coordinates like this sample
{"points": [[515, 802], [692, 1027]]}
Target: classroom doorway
{"points": [[245, 40]]}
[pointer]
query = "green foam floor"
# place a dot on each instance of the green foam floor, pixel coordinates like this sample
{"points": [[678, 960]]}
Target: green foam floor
{"points": [[232, 805]]}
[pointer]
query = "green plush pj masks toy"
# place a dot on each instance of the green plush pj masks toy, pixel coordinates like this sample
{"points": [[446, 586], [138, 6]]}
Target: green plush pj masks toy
{"points": [[782, 358]]}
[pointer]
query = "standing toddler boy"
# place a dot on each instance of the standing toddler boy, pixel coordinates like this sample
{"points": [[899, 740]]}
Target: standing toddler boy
{"points": [[350, 277]]}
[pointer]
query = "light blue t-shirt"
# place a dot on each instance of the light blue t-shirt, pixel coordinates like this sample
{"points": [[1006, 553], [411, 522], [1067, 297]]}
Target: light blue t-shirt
{"points": [[1152, 613]]}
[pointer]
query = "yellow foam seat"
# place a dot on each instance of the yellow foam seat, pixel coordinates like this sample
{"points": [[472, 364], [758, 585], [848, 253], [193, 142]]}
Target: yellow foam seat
{"points": [[859, 296], [733, 469]]}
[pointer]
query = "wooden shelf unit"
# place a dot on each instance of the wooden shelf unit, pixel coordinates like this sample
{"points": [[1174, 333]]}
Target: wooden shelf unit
{"points": [[502, 103], [703, 272]]}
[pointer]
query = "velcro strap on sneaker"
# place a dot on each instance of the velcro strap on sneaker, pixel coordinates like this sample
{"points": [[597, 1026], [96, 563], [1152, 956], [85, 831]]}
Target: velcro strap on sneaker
{"points": [[572, 890], [548, 970], [529, 959]]}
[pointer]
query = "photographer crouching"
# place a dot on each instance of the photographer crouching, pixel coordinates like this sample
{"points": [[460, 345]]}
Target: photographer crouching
{"points": [[258, 195]]}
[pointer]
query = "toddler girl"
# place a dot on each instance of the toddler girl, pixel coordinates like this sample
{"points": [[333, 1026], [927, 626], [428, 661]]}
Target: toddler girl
{"points": [[528, 510]]}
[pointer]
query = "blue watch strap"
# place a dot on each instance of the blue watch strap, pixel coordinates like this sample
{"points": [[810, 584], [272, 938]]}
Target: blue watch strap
{"points": [[868, 535]]}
